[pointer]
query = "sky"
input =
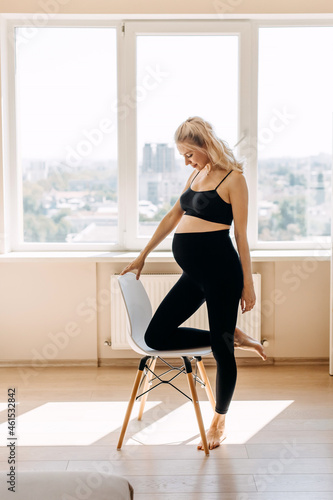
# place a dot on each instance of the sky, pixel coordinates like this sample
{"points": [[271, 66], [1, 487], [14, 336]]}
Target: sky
{"points": [[67, 90], [295, 81]]}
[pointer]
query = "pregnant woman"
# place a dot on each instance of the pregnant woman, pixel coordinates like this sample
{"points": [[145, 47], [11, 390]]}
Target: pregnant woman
{"points": [[213, 271]]}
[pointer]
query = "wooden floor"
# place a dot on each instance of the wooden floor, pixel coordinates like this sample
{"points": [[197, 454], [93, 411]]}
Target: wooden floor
{"points": [[279, 432]]}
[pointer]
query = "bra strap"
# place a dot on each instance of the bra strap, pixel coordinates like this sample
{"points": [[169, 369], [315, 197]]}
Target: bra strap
{"points": [[223, 179], [194, 178]]}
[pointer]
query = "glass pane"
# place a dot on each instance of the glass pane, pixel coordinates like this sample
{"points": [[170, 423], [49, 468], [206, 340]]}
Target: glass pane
{"points": [[295, 133], [179, 76], [66, 88]]}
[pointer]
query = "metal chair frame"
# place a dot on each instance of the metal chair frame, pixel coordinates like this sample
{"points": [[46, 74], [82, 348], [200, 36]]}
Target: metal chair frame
{"points": [[180, 369]]}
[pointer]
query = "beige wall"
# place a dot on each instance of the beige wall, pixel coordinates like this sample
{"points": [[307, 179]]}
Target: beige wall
{"points": [[42, 312], [51, 312], [296, 308], [49, 309], [170, 7], [302, 319]]}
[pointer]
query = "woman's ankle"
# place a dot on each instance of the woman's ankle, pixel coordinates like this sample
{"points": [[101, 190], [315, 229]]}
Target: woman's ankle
{"points": [[218, 421]]}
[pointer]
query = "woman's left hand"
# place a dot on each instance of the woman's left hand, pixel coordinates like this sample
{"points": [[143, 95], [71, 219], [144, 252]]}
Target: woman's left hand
{"points": [[248, 298]]}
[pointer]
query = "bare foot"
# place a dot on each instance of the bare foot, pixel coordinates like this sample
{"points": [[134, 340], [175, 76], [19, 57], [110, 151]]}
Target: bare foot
{"points": [[243, 341], [216, 432], [214, 439]]}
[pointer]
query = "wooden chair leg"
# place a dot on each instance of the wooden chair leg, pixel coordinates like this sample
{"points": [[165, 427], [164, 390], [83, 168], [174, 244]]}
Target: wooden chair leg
{"points": [[149, 376], [208, 387], [196, 405], [132, 400]]}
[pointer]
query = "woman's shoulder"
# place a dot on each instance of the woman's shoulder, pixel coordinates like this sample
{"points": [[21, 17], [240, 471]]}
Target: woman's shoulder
{"points": [[236, 177], [236, 173], [237, 180]]}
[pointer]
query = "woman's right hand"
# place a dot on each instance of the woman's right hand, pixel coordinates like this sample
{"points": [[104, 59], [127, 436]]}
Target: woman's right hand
{"points": [[137, 264]]}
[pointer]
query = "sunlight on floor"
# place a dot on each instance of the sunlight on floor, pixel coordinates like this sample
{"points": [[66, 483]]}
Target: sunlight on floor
{"points": [[86, 423], [244, 420], [66, 423]]}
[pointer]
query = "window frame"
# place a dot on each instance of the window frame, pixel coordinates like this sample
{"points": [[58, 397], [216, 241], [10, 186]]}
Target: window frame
{"points": [[133, 28], [13, 206], [248, 30], [325, 243]]}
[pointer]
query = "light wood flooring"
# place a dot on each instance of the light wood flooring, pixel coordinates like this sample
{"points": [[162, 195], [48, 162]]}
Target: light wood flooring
{"points": [[279, 432]]}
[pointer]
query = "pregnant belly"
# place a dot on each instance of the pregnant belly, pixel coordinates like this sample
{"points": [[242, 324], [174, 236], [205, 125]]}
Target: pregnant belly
{"points": [[190, 224]]}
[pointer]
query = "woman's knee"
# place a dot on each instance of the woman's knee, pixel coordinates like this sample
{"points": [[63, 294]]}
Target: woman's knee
{"points": [[154, 338], [150, 338]]}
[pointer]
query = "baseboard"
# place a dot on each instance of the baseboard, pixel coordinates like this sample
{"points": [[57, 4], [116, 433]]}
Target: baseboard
{"points": [[210, 361], [134, 362], [254, 361], [301, 361], [119, 362], [28, 363]]}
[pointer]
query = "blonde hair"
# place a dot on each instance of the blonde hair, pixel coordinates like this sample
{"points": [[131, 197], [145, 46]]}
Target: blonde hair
{"points": [[200, 134]]}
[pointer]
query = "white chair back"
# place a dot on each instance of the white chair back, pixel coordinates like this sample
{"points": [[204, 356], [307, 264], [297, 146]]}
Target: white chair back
{"points": [[138, 309]]}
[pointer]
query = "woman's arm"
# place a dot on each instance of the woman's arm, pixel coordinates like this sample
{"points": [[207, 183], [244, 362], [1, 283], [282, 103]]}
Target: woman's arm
{"points": [[238, 193], [167, 224]]}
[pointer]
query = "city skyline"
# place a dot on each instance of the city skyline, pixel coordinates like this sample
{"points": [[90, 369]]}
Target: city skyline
{"points": [[294, 199]]}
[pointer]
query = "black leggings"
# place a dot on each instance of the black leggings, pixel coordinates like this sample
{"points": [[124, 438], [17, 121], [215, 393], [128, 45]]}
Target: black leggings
{"points": [[212, 272]]}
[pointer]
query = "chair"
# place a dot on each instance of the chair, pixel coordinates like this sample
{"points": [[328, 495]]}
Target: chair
{"points": [[139, 313]]}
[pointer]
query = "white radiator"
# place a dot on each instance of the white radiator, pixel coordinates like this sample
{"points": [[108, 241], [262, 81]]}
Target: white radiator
{"points": [[157, 286]]}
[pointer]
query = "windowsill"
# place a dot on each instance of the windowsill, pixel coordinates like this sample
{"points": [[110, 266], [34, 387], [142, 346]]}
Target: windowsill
{"points": [[157, 256]]}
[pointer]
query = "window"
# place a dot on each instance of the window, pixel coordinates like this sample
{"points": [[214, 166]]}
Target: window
{"points": [[93, 106], [181, 69], [295, 134], [66, 87]]}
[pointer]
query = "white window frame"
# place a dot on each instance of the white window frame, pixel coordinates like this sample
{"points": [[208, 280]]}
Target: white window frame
{"points": [[134, 28], [255, 26], [13, 205], [248, 31]]}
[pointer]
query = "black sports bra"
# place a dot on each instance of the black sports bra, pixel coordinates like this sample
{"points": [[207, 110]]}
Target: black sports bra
{"points": [[207, 205]]}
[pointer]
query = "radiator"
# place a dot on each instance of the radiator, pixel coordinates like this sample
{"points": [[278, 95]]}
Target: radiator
{"points": [[157, 286]]}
